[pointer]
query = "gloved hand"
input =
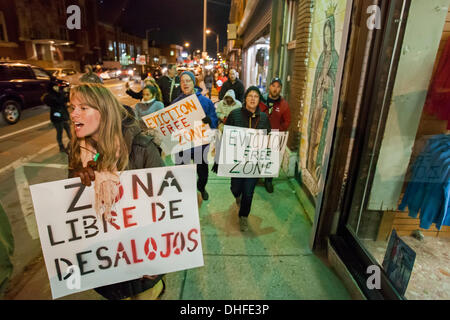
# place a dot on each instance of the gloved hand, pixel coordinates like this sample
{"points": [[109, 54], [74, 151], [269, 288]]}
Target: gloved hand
{"points": [[87, 174], [207, 120], [215, 168]]}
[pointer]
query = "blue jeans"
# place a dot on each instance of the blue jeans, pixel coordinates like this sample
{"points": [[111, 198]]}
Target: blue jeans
{"points": [[244, 188]]}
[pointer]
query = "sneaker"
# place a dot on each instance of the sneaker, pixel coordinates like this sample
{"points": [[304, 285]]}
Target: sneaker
{"points": [[238, 201], [243, 224], [205, 195], [62, 149], [269, 186]]}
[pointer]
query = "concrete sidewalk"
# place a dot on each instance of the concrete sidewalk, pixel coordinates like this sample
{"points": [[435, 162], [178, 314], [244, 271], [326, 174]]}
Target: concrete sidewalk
{"points": [[270, 261]]}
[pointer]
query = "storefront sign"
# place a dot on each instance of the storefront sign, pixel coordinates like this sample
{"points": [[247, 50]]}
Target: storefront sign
{"points": [[180, 126], [155, 229], [252, 153], [141, 60]]}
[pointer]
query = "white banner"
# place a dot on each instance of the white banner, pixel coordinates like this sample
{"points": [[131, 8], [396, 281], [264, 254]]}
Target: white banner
{"points": [[251, 153], [155, 229], [180, 126]]}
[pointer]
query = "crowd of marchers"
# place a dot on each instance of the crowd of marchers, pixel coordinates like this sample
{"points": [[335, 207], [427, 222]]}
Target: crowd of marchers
{"points": [[107, 137]]}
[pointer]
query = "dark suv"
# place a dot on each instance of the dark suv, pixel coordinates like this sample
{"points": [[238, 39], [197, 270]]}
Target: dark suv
{"points": [[21, 87]]}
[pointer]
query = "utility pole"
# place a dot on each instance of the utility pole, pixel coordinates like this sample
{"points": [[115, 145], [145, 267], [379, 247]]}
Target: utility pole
{"points": [[205, 3]]}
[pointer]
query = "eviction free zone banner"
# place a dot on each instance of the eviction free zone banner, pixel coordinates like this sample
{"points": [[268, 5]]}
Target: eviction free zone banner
{"points": [[155, 229]]}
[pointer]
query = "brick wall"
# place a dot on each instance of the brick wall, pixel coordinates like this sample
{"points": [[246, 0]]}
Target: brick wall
{"points": [[299, 75]]}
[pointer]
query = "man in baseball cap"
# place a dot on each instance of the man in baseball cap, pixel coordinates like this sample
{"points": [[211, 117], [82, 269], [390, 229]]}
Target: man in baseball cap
{"points": [[277, 109]]}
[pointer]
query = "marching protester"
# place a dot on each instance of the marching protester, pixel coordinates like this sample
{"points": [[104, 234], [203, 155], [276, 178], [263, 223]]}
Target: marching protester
{"points": [[200, 80], [89, 76], [221, 79], [198, 154], [225, 106], [233, 83], [209, 80], [249, 116], [148, 104], [106, 138], [149, 81], [59, 116], [170, 85], [277, 109]]}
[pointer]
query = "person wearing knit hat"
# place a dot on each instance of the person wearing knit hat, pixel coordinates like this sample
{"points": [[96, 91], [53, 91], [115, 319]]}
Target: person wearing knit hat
{"points": [[249, 116], [187, 84]]}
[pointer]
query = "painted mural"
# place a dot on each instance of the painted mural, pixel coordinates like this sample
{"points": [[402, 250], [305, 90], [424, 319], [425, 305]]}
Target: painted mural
{"points": [[326, 35]]}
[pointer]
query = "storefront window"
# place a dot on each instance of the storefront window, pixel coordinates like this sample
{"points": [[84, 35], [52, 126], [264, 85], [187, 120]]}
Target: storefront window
{"points": [[257, 57], [400, 206]]}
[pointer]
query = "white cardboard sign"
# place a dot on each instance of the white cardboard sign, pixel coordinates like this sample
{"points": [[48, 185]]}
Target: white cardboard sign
{"points": [[155, 230], [180, 126], [251, 153]]}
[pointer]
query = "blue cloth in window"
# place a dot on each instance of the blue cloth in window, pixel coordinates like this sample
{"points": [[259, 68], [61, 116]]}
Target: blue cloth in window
{"points": [[428, 191]]}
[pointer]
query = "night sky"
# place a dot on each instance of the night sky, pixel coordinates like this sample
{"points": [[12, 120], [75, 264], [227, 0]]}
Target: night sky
{"points": [[179, 21]]}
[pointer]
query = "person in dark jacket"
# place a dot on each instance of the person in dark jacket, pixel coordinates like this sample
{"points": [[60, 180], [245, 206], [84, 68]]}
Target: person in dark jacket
{"points": [[249, 116], [209, 81], [198, 154], [107, 138], [59, 116], [277, 109], [233, 83], [170, 85]]}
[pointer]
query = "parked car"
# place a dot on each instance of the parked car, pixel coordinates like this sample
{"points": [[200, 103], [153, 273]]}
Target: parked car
{"points": [[68, 74], [21, 87]]}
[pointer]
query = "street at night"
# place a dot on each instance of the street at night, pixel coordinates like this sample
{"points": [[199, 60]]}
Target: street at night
{"points": [[224, 150]]}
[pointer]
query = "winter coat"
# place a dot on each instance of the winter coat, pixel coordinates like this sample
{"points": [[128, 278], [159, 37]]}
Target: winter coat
{"points": [[209, 80], [57, 103], [245, 119], [207, 105], [145, 108], [279, 115], [164, 84], [223, 110], [237, 86]]}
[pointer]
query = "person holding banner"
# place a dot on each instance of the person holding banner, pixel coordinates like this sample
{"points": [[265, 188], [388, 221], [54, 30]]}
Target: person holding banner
{"points": [[198, 154], [277, 109], [106, 138], [249, 116]]}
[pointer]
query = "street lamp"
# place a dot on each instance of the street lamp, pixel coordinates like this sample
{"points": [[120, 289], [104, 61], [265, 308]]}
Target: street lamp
{"points": [[208, 31], [187, 44]]}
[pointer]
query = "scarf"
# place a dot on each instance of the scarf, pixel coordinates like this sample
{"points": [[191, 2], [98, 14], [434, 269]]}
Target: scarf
{"points": [[106, 184]]}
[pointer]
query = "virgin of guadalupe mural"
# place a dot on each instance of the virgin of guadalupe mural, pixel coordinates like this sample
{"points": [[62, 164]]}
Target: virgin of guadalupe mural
{"points": [[322, 96]]}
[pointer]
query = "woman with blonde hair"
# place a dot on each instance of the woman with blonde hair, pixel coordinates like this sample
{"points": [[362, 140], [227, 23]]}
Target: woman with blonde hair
{"points": [[106, 139]]}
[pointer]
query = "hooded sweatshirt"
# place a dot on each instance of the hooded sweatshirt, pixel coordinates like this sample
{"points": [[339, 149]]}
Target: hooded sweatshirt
{"points": [[223, 109]]}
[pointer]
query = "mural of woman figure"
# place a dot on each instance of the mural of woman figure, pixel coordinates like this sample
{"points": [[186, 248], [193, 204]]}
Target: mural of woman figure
{"points": [[322, 98]]}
